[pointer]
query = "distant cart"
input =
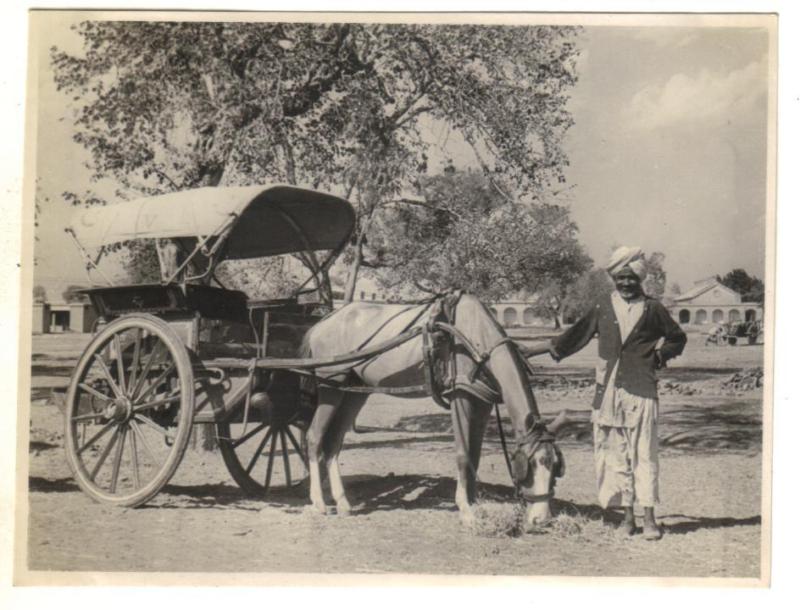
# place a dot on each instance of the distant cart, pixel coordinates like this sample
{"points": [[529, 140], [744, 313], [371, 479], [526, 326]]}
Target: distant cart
{"points": [[734, 332]]}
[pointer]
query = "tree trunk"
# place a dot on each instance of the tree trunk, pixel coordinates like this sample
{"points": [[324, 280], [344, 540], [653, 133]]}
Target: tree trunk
{"points": [[355, 266]]}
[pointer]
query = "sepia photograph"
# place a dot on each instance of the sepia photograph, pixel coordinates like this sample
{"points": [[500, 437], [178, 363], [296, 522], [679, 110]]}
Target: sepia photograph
{"points": [[351, 296]]}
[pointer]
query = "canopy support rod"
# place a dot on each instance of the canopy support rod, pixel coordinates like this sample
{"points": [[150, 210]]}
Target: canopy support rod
{"points": [[310, 255], [90, 263], [200, 245]]}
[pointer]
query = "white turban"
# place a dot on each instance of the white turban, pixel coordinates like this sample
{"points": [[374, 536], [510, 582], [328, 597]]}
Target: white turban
{"points": [[626, 256]]}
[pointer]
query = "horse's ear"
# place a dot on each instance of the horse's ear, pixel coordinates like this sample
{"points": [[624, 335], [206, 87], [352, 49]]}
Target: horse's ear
{"points": [[559, 421], [561, 465]]}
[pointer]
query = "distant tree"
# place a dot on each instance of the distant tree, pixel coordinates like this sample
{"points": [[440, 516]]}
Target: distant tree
{"points": [[70, 294], [464, 233], [39, 294], [675, 289], [584, 294], [656, 278], [750, 287]]}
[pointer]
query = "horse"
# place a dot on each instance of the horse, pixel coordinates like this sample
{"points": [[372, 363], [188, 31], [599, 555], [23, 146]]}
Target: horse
{"points": [[356, 326]]}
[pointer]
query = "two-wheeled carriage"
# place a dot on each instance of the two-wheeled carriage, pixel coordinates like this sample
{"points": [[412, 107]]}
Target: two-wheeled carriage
{"points": [[187, 350]]}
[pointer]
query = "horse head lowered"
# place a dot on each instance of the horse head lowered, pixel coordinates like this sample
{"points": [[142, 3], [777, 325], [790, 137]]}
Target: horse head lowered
{"points": [[484, 366]]}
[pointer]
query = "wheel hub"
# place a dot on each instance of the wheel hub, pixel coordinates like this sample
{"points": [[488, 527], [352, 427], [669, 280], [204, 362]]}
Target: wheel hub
{"points": [[119, 409]]}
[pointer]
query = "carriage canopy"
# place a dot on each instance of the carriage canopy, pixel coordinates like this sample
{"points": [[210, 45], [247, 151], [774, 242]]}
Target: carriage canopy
{"points": [[257, 220]]}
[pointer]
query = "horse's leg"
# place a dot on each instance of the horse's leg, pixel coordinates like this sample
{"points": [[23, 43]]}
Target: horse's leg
{"points": [[466, 417], [329, 400], [342, 423], [481, 412]]}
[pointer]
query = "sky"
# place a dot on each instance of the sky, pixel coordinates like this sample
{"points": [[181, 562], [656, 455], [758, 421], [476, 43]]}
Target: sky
{"points": [[669, 147], [668, 150]]}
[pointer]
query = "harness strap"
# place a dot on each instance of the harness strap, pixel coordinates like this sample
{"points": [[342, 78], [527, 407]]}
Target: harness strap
{"points": [[481, 362], [429, 363], [476, 387], [504, 445]]}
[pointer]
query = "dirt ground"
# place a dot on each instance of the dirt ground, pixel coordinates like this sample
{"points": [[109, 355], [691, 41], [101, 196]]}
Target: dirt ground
{"points": [[399, 471]]}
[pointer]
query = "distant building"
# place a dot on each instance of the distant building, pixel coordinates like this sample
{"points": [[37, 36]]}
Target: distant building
{"points": [[710, 302], [510, 314], [517, 314], [77, 317]]}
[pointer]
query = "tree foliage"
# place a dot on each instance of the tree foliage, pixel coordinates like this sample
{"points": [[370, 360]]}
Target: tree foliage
{"points": [[71, 294], [586, 291], [39, 294], [749, 286], [163, 106], [463, 233], [655, 281]]}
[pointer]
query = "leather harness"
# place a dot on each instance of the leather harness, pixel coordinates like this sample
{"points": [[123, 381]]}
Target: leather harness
{"points": [[440, 341]]}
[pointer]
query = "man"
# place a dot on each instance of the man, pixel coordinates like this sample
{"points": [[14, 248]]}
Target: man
{"points": [[629, 326]]}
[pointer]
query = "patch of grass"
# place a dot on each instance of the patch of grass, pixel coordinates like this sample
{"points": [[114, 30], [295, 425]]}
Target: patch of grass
{"points": [[499, 519], [504, 519]]}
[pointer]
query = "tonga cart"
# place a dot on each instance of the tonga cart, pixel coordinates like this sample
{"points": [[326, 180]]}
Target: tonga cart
{"points": [[188, 350]]}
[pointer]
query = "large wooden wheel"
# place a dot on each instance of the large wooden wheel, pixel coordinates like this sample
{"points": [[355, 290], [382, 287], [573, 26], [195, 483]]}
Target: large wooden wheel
{"points": [[269, 453], [129, 411]]}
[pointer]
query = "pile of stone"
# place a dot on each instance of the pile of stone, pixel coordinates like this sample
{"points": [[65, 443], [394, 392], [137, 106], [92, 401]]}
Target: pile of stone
{"points": [[673, 387], [746, 379]]}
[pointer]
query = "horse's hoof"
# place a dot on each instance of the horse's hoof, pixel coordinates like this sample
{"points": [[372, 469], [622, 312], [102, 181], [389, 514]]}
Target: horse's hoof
{"points": [[468, 519], [538, 525], [320, 509], [343, 508]]}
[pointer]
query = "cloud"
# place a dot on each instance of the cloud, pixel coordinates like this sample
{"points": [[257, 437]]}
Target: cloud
{"points": [[707, 97], [667, 37]]}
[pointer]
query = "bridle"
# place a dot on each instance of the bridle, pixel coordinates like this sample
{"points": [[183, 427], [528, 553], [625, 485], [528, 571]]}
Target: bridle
{"points": [[519, 464]]}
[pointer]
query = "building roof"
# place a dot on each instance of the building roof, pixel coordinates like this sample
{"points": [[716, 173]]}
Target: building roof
{"points": [[696, 291], [701, 288]]}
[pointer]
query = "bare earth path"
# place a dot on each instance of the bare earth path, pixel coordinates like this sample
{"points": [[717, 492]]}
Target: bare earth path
{"points": [[399, 472]]}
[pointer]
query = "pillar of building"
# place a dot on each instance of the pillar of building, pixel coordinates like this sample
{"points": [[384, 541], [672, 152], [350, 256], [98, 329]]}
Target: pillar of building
{"points": [[41, 318]]}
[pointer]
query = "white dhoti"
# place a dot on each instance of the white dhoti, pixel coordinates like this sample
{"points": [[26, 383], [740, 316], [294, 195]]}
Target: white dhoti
{"points": [[626, 448]]}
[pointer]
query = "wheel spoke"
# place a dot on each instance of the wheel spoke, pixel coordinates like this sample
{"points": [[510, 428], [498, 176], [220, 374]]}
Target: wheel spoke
{"points": [[249, 435], [149, 364], [137, 348], [158, 403], [153, 386], [287, 469], [87, 388], [261, 445], [104, 455], [149, 422], [120, 365], [118, 459], [134, 459], [138, 432], [86, 416], [270, 462], [296, 446], [92, 440], [107, 374]]}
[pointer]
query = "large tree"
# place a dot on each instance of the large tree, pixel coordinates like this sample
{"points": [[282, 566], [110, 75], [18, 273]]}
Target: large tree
{"points": [[346, 107], [463, 233]]}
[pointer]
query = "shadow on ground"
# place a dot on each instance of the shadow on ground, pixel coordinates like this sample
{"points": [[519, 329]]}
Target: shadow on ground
{"points": [[370, 494], [736, 427]]}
